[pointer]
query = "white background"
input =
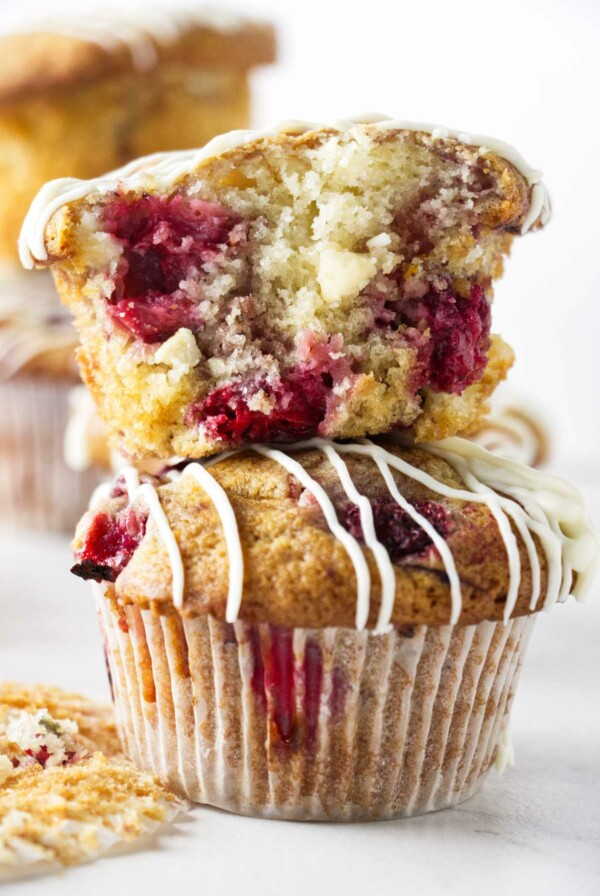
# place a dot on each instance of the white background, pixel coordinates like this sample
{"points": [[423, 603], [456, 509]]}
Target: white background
{"points": [[527, 71]]}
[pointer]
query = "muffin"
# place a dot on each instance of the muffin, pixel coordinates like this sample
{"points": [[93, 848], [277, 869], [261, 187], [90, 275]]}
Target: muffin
{"points": [[37, 374], [81, 95], [306, 281], [330, 631]]}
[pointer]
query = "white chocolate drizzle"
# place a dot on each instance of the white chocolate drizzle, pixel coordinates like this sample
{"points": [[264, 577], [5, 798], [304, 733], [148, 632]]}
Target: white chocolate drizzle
{"points": [[537, 504], [353, 548], [164, 170], [382, 557], [147, 493], [222, 504]]}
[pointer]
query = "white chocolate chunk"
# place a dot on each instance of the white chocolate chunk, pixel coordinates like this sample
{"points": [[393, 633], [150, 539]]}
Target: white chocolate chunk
{"points": [[381, 241], [342, 274], [180, 353], [101, 250]]}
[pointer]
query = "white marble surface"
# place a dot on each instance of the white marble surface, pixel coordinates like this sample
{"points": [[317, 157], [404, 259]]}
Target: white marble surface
{"points": [[535, 830]]}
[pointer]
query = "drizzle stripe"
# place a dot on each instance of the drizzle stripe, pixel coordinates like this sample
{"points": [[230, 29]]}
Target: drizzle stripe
{"points": [[353, 548], [382, 557], [150, 496], [223, 506]]}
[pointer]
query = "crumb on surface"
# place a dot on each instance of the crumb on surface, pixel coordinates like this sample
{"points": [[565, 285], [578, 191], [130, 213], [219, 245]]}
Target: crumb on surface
{"points": [[62, 801]]}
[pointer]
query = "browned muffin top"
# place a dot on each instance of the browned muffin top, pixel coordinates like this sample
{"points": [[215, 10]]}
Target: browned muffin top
{"points": [[298, 572], [77, 51]]}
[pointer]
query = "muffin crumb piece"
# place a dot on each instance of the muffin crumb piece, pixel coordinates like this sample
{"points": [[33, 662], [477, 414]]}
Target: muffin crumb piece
{"points": [[61, 803]]}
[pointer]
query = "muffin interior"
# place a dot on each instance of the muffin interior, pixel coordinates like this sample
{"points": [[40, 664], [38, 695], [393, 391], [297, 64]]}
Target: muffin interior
{"points": [[317, 285]]}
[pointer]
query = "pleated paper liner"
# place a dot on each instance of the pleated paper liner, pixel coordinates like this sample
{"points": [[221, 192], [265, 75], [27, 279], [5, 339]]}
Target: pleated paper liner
{"points": [[37, 489], [313, 724]]}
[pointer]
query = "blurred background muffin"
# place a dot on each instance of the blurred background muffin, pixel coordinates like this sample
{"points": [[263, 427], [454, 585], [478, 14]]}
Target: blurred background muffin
{"points": [[82, 95], [515, 428], [37, 372]]}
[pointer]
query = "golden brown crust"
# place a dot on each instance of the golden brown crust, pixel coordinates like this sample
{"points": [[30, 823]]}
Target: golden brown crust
{"points": [[296, 572], [36, 63]]}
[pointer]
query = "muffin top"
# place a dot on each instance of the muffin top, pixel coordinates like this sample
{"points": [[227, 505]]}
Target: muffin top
{"points": [[351, 534], [73, 50]]}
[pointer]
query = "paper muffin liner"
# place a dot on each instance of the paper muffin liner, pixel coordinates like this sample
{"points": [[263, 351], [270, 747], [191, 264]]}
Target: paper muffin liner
{"points": [[309, 724], [37, 489]]}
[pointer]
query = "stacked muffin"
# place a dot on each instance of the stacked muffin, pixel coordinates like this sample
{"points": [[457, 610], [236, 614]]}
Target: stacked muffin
{"points": [[314, 611], [78, 97]]}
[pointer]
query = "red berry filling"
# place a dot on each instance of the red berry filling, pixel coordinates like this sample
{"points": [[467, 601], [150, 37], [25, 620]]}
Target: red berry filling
{"points": [[109, 544], [297, 403], [155, 318], [395, 528], [165, 242], [257, 679], [312, 672], [298, 407], [455, 356], [279, 682], [41, 756], [276, 680]]}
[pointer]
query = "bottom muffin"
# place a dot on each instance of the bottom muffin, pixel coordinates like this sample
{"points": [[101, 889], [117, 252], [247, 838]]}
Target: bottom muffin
{"points": [[333, 632]]}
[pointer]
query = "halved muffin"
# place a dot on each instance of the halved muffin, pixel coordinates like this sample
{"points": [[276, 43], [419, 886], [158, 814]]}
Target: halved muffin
{"points": [[327, 632], [310, 280]]}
